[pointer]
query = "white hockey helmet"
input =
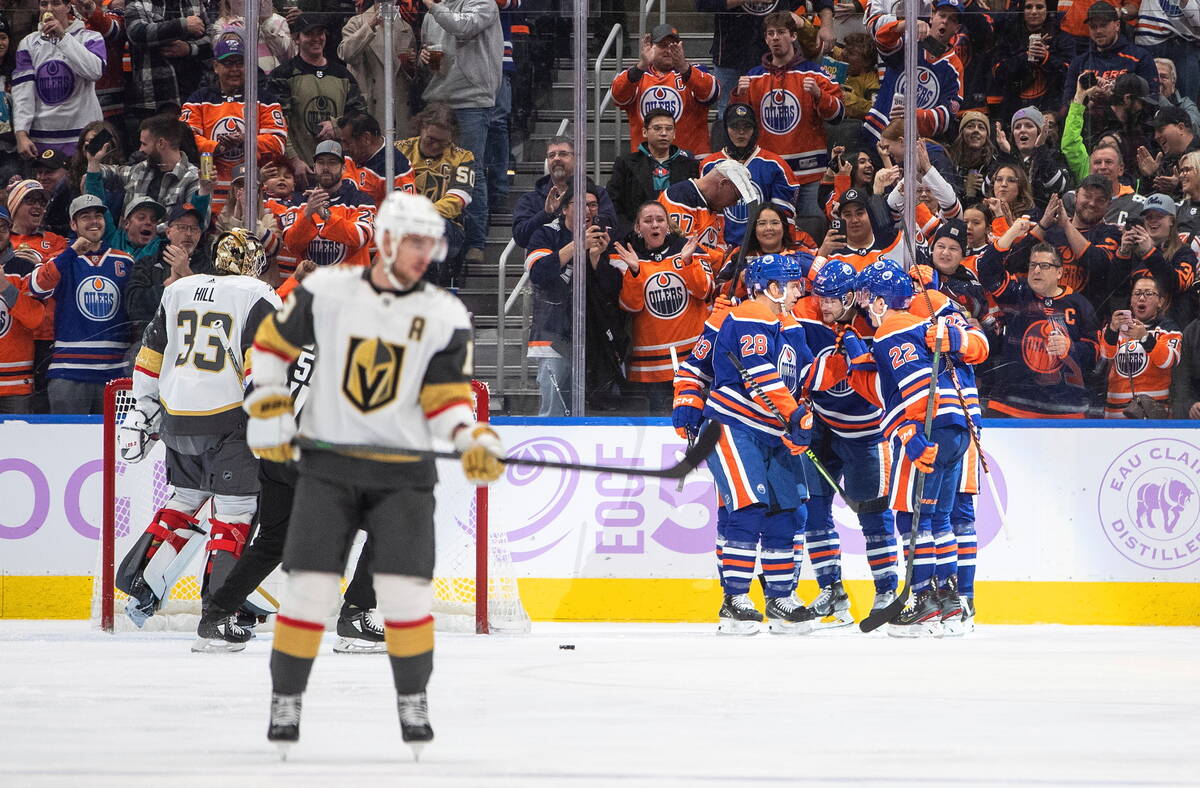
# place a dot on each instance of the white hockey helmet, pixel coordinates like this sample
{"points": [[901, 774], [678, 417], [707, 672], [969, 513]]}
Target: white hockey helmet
{"points": [[239, 251], [401, 214]]}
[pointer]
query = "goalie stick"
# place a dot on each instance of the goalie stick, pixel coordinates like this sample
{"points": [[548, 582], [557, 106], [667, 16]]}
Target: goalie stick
{"points": [[706, 441], [878, 618], [853, 505], [234, 358]]}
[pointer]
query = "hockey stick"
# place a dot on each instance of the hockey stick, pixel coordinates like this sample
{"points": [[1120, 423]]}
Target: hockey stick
{"points": [[691, 439], [704, 445], [878, 618], [234, 358], [752, 211], [853, 505]]}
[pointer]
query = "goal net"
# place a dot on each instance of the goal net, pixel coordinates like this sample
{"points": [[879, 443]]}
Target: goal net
{"points": [[475, 589]]}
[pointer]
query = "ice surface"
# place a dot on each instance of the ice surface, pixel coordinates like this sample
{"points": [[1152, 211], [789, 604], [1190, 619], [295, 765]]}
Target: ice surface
{"points": [[631, 705]]}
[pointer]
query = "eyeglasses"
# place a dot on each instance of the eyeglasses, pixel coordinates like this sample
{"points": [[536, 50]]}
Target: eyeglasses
{"points": [[191, 229], [1145, 294], [1182, 170], [1043, 266]]}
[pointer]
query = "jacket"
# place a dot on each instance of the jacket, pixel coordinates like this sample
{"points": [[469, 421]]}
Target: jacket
{"points": [[1119, 58], [362, 51], [529, 213], [632, 179], [158, 80], [308, 95], [148, 281], [473, 46]]}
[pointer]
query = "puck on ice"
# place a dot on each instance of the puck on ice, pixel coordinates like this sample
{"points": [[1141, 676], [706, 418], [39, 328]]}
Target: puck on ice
{"points": [[567, 646]]}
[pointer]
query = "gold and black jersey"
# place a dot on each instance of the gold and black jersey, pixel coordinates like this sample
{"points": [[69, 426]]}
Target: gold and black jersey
{"points": [[447, 181]]}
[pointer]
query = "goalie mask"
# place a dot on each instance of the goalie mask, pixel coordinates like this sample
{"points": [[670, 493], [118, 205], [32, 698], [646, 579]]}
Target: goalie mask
{"points": [[402, 214], [239, 252]]}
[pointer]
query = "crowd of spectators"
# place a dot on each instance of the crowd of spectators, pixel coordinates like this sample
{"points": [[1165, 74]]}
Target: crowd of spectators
{"points": [[1058, 142]]}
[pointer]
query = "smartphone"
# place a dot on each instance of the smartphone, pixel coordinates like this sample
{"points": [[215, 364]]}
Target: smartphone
{"points": [[1089, 80], [1134, 221], [103, 137], [835, 225]]}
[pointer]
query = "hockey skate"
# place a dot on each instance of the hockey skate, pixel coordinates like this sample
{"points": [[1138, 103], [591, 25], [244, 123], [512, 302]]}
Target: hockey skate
{"points": [[359, 633], [950, 605], [921, 617], [882, 600], [831, 608], [414, 721], [968, 613], [738, 616], [284, 729], [786, 616], [220, 632]]}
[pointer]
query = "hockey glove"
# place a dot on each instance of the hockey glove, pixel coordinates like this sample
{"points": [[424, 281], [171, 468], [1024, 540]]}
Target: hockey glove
{"points": [[722, 303], [951, 340], [272, 426], [857, 352], [687, 414], [919, 449], [925, 276], [799, 433], [481, 452], [139, 432]]}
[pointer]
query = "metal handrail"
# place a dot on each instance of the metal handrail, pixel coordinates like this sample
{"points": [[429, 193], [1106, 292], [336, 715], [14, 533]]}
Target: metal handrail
{"points": [[614, 37], [644, 12]]}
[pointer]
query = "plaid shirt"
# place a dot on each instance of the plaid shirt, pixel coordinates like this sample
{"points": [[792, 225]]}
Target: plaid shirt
{"points": [[150, 25], [176, 187]]}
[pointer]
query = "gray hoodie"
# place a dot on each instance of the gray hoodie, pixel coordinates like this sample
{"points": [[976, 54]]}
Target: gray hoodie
{"points": [[473, 46]]}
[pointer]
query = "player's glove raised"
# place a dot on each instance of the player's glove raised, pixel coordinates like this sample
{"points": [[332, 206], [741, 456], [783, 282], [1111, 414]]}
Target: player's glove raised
{"points": [[919, 449], [481, 452], [138, 433], [857, 352], [687, 414], [272, 426], [950, 340], [799, 433]]}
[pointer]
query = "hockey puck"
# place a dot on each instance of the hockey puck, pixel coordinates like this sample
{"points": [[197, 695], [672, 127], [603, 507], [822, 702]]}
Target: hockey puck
{"points": [[567, 646]]}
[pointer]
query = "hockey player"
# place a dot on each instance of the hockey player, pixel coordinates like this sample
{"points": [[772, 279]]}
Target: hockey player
{"points": [[759, 478], [902, 355], [393, 371], [771, 175], [849, 445], [216, 115], [188, 384]]}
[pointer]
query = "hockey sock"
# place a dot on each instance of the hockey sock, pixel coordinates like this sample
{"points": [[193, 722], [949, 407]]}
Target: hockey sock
{"points": [[946, 547], [801, 525], [410, 650], [825, 553], [967, 548], [292, 653], [925, 563], [737, 566], [722, 516]]}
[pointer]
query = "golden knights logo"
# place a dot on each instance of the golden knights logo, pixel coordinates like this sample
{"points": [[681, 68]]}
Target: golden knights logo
{"points": [[372, 374]]}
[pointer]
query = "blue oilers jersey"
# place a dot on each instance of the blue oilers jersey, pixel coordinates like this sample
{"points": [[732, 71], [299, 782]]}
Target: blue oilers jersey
{"points": [[774, 182], [752, 333], [91, 327]]}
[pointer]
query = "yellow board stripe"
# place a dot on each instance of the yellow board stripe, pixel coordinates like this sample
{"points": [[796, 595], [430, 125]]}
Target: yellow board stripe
{"points": [[299, 639], [410, 638], [633, 599]]}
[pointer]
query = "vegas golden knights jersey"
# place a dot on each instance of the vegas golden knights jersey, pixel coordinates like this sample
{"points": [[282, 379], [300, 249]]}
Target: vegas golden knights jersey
{"points": [[184, 362], [391, 369]]}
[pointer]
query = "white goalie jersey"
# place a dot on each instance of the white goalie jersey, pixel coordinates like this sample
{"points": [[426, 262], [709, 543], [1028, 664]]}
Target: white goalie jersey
{"points": [[194, 359], [391, 369]]}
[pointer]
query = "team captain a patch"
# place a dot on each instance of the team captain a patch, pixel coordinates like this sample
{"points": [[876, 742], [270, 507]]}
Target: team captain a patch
{"points": [[97, 298], [1150, 503], [666, 295]]}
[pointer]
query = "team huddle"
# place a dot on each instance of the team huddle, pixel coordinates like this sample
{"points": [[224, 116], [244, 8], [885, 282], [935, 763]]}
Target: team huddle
{"points": [[867, 379]]}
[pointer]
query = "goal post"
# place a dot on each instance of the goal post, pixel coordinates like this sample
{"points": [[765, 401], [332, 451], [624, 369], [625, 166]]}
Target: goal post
{"points": [[475, 589]]}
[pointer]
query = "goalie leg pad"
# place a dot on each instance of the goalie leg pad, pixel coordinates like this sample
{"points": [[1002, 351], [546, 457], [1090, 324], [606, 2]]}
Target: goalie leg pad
{"points": [[169, 527], [226, 542]]}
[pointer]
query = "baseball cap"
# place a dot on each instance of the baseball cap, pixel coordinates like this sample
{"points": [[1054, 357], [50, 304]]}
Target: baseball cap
{"points": [[84, 202], [1160, 202], [1130, 84], [228, 46], [740, 115], [145, 202], [180, 211], [310, 21], [954, 5], [955, 230], [50, 159], [1102, 12], [1168, 115], [852, 196], [238, 173], [661, 33], [329, 148], [4, 27], [22, 190]]}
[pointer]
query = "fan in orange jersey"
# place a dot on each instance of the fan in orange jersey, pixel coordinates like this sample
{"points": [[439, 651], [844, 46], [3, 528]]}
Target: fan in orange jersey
{"points": [[20, 315], [1142, 346], [663, 79], [794, 100], [696, 206], [216, 116], [366, 158], [336, 223], [666, 281]]}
